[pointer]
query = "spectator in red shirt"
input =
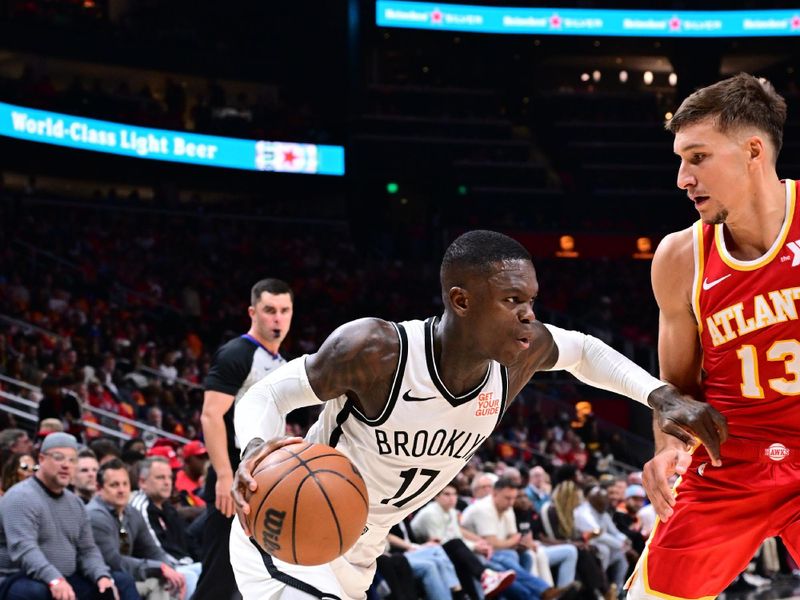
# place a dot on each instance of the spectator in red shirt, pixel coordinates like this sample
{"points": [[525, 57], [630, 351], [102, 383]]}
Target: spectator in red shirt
{"points": [[188, 481]]}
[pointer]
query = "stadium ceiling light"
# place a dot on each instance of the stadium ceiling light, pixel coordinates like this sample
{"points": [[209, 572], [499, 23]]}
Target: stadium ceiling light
{"points": [[596, 75], [585, 77], [647, 76], [623, 76], [673, 79]]}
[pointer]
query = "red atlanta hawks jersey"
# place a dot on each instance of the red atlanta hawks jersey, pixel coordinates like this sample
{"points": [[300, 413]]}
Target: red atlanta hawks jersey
{"points": [[747, 314]]}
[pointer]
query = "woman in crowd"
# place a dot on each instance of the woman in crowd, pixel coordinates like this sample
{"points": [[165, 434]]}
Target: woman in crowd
{"points": [[559, 525], [17, 468]]}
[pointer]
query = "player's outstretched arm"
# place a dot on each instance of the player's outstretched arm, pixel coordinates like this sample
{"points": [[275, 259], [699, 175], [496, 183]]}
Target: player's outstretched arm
{"points": [[599, 365]]}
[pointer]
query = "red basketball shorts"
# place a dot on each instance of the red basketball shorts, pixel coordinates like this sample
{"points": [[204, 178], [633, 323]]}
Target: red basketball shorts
{"points": [[721, 517]]}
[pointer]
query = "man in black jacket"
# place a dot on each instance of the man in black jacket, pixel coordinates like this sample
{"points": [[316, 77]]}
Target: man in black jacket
{"points": [[166, 527]]}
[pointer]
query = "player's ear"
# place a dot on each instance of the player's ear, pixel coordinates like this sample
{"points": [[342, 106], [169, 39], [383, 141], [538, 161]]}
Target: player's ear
{"points": [[756, 149], [459, 300], [251, 311]]}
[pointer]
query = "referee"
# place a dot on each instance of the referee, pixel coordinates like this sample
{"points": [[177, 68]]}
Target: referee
{"points": [[236, 366]]}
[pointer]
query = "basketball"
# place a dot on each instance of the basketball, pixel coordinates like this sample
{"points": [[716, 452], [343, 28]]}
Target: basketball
{"points": [[310, 506]]}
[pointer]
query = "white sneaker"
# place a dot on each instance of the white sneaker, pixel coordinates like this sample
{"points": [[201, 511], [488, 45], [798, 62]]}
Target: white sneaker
{"points": [[494, 582], [756, 580]]}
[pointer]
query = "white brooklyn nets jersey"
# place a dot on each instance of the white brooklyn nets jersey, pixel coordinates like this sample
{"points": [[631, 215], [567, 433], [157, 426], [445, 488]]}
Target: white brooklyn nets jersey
{"points": [[424, 436]]}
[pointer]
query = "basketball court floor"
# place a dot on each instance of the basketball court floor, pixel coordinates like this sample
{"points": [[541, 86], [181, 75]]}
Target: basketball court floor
{"points": [[786, 589]]}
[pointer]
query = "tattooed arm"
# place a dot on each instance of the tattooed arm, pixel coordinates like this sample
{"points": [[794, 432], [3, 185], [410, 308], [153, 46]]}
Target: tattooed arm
{"points": [[358, 360]]}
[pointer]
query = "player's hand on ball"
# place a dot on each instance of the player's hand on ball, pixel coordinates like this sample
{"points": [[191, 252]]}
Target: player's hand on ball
{"points": [[656, 474], [243, 483], [685, 418]]}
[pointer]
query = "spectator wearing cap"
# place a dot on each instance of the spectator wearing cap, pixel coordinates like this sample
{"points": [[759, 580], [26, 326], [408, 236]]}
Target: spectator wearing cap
{"points": [[188, 481], [46, 427], [46, 545], [166, 526], [626, 517], [123, 537], [168, 453]]}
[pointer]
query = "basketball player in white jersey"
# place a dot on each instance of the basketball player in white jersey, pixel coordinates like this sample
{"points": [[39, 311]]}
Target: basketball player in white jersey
{"points": [[409, 403]]}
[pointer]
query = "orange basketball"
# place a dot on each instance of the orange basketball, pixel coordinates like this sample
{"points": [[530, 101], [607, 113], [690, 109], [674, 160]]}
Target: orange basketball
{"points": [[310, 506]]}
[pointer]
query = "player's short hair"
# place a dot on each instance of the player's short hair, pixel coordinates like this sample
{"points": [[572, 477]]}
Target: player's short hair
{"points": [[733, 103], [114, 464], [270, 285], [478, 250]]}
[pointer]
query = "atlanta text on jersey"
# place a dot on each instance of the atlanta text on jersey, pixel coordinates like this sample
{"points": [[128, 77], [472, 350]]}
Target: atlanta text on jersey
{"points": [[779, 307]]}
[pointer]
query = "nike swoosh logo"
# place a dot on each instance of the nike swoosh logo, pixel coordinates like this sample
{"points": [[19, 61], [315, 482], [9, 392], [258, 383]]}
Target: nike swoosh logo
{"points": [[409, 398], [707, 285]]}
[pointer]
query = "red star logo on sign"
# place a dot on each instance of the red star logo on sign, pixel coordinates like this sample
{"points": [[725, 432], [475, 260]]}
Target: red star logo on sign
{"points": [[555, 22], [674, 24], [436, 16], [289, 157], [796, 22]]}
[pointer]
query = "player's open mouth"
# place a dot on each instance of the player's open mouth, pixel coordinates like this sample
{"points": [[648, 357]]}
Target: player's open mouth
{"points": [[699, 200], [524, 342]]}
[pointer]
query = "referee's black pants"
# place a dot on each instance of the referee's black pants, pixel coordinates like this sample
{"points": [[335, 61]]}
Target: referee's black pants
{"points": [[216, 581]]}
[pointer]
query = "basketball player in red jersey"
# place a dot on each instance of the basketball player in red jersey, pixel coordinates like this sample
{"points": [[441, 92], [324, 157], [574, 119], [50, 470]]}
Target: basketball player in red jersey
{"points": [[727, 289]]}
